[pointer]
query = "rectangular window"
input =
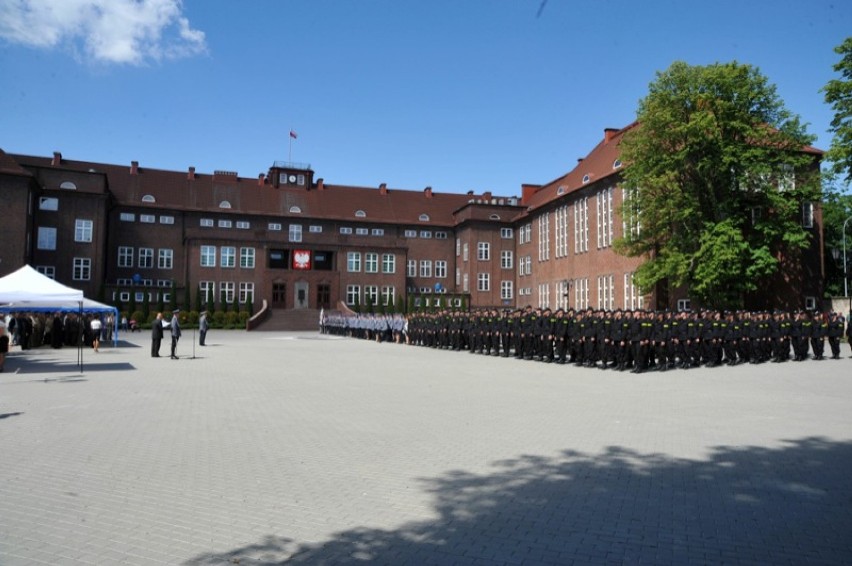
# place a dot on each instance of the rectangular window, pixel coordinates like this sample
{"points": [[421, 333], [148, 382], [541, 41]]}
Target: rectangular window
{"points": [[458, 247], [353, 294], [807, 215], [466, 283], [377, 232], [164, 283], [295, 233], [247, 258], [48, 271], [225, 224], [246, 292], [208, 256], [371, 295], [314, 229], [425, 234], [206, 222], [544, 237], [274, 227], [631, 214], [82, 230], [483, 251], [127, 217], [353, 262], [388, 294], [632, 298], [208, 291], [506, 259], [243, 225], [411, 268], [507, 289], [226, 291], [426, 268], [458, 277], [561, 231], [371, 262], [441, 269], [465, 252], [146, 258], [167, 219], [411, 233], [82, 269], [506, 234], [361, 231], [440, 235], [388, 263], [604, 216], [543, 296], [165, 259], [125, 256], [147, 218], [124, 296], [345, 230], [483, 282], [228, 256], [48, 203]]}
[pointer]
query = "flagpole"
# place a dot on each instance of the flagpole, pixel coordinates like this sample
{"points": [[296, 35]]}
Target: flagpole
{"points": [[290, 150]]}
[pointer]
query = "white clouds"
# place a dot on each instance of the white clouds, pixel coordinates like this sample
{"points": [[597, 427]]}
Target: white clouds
{"points": [[112, 31]]}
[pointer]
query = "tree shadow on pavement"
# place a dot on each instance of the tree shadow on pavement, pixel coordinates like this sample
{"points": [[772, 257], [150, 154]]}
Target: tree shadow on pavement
{"points": [[791, 504]]}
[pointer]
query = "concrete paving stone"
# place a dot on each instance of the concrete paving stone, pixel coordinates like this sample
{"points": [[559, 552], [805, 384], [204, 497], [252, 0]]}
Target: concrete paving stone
{"points": [[275, 445]]}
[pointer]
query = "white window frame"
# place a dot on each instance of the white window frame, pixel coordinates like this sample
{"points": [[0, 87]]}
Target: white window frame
{"points": [[425, 268], [228, 257], [207, 256], [83, 230], [483, 282], [126, 255], [247, 258], [507, 289], [440, 269], [483, 251], [353, 262], [145, 258], [371, 262], [246, 292], [294, 233], [82, 269], [165, 258], [388, 263]]}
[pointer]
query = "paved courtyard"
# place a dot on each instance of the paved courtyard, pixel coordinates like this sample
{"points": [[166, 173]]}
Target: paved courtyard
{"points": [[296, 448]]}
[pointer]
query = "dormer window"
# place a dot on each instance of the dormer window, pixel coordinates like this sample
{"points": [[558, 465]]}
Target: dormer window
{"points": [[586, 179], [224, 204], [68, 185], [560, 190], [295, 210], [616, 164], [424, 218], [360, 214], [494, 217], [149, 199]]}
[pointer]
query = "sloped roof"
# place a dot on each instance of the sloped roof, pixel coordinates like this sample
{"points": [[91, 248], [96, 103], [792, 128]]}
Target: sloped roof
{"points": [[204, 192], [8, 166]]}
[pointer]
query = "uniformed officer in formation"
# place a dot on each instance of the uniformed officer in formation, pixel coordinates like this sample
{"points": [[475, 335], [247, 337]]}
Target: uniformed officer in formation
{"points": [[622, 340]]}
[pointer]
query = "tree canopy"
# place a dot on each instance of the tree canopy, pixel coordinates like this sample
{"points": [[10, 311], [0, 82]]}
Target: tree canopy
{"points": [[838, 93], [716, 179]]}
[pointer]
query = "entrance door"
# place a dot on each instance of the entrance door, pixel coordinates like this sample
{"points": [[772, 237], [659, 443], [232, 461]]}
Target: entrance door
{"points": [[279, 295], [323, 296], [301, 299]]}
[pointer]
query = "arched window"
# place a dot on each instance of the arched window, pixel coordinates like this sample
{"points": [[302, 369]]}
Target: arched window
{"points": [[616, 164], [494, 217], [360, 214], [560, 190], [224, 204], [295, 210], [68, 185], [424, 218], [148, 198], [585, 179]]}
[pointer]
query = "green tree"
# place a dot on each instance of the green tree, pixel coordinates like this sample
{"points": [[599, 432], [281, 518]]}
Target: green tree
{"points": [[838, 93], [198, 305], [715, 181], [146, 305]]}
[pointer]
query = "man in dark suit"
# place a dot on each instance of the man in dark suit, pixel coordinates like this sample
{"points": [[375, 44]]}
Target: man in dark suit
{"points": [[175, 326], [156, 335]]}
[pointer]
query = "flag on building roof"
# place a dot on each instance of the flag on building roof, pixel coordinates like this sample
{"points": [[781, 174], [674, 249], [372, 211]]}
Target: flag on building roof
{"points": [[293, 134]]}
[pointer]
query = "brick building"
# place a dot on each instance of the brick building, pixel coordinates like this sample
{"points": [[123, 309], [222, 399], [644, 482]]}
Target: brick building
{"points": [[298, 242]]}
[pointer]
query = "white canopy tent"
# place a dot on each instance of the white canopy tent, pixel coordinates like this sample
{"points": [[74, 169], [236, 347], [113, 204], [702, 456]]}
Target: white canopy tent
{"points": [[28, 290], [28, 285]]}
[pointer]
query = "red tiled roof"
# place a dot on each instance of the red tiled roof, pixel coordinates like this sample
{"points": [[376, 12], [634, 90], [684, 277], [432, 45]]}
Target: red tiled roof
{"points": [[8, 166], [173, 189]]}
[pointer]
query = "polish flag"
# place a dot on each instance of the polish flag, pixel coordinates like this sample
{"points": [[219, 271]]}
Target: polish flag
{"points": [[293, 134]]}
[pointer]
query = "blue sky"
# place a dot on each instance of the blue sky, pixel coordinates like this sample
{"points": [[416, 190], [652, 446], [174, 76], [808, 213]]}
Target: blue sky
{"points": [[456, 95]]}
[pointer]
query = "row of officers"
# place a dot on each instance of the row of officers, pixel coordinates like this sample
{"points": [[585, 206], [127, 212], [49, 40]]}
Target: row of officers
{"points": [[634, 340]]}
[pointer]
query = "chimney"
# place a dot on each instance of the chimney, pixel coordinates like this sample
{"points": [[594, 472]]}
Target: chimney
{"points": [[191, 174], [580, 159], [260, 179], [57, 159], [383, 189], [486, 196], [609, 133], [320, 184], [428, 192], [470, 193], [134, 167], [527, 192]]}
